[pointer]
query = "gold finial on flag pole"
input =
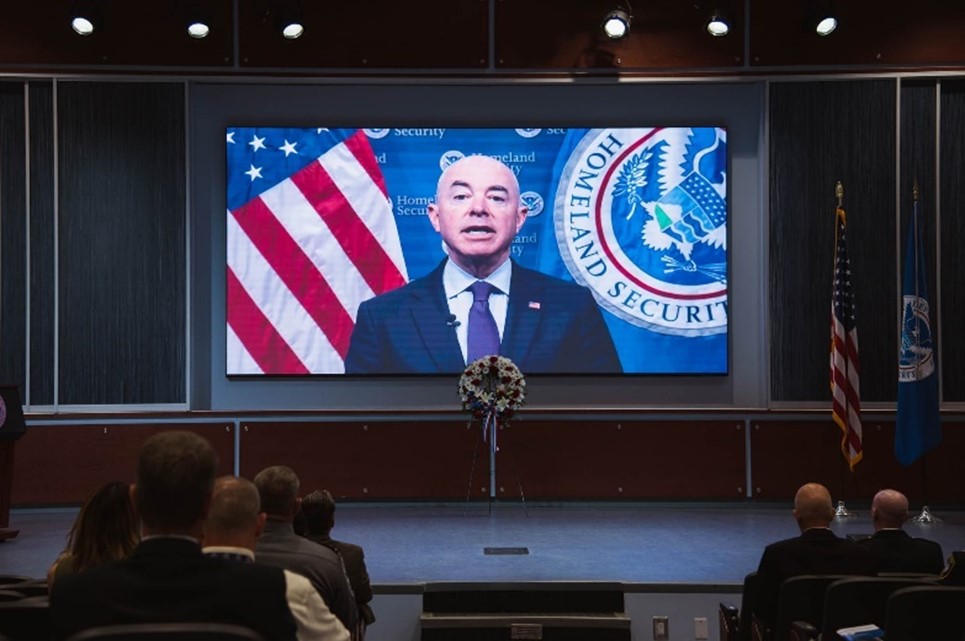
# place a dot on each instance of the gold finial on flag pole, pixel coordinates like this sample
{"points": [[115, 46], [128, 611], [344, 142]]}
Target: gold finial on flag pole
{"points": [[839, 192], [914, 190]]}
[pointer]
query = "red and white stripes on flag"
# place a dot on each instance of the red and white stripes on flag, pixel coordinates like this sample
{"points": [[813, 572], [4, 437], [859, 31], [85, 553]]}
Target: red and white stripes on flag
{"points": [[845, 364], [301, 258]]}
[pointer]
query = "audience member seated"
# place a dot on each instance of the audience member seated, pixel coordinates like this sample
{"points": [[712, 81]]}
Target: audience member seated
{"points": [[105, 530], [281, 547], [318, 513], [954, 572], [234, 523], [816, 551], [167, 579], [897, 551]]}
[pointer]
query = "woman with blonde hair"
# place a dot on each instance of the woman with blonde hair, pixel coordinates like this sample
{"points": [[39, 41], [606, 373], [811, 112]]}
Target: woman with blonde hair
{"points": [[106, 529]]}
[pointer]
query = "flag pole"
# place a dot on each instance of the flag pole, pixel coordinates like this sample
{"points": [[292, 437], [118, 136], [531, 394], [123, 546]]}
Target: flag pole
{"points": [[925, 516], [841, 512]]}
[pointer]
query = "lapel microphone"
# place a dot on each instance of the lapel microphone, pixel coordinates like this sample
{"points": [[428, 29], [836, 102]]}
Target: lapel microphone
{"points": [[452, 322]]}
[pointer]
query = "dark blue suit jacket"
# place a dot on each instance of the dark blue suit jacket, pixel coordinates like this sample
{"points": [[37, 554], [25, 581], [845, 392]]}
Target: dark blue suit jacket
{"points": [[169, 580], [552, 327]]}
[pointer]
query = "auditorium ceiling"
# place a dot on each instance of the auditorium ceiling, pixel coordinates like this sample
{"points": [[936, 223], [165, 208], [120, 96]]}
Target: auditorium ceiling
{"points": [[482, 38]]}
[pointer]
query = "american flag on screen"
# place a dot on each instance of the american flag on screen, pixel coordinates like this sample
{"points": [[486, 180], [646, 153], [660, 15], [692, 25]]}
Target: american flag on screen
{"points": [[845, 365], [310, 235]]}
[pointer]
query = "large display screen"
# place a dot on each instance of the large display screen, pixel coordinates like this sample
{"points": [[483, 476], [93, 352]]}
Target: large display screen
{"points": [[354, 251]]}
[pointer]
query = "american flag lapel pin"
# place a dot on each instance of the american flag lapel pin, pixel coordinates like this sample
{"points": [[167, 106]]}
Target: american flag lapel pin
{"points": [[534, 304]]}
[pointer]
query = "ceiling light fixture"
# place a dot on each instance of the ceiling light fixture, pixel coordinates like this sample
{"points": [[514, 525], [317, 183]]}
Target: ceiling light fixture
{"points": [[821, 17], [84, 17], [616, 24], [288, 19], [718, 25], [826, 25], [198, 29]]}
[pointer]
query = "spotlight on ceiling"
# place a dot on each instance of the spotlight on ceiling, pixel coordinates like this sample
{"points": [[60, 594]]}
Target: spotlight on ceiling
{"points": [[826, 25], [84, 18], [821, 18], [616, 24], [288, 19], [292, 29], [198, 29], [718, 25]]}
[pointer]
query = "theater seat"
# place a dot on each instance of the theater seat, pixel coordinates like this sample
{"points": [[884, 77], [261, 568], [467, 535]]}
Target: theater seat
{"points": [[926, 613], [860, 600], [164, 631], [801, 599]]}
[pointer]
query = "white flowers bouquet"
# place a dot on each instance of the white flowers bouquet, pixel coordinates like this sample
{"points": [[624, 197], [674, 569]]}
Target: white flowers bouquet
{"points": [[492, 383]]}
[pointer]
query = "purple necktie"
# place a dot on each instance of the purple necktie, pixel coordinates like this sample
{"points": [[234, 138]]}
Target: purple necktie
{"points": [[483, 337]]}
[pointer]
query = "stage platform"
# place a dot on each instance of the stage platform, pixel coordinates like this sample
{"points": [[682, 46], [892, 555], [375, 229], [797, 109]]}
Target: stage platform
{"points": [[676, 559]]}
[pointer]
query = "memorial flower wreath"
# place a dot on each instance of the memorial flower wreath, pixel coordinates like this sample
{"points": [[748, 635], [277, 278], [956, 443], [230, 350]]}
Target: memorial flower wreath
{"points": [[492, 385]]}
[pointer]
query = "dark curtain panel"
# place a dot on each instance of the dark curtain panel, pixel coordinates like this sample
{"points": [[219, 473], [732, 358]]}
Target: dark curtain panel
{"points": [[951, 238], [918, 122], [13, 213], [41, 347], [820, 133], [121, 243]]}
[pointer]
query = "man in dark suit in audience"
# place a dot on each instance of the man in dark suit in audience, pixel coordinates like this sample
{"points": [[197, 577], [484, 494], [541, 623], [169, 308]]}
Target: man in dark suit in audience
{"points": [[318, 510], [816, 551], [231, 531], [168, 579], [281, 547], [896, 550]]}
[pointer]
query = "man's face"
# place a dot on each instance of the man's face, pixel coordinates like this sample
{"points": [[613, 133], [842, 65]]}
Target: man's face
{"points": [[477, 212]]}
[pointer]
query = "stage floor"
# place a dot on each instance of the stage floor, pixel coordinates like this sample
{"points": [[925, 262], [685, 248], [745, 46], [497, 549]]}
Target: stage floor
{"points": [[629, 543]]}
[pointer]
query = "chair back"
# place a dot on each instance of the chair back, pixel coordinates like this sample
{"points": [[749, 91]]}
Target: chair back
{"points": [[728, 618], [925, 613], [9, 579], [801, 599], [26, 619], [860, 600], [162, 631], [748, 597], [33, 587]]}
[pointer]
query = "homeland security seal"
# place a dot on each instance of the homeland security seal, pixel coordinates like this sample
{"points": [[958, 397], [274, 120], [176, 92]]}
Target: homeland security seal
{"points": [[641, 219], [916, 361]]}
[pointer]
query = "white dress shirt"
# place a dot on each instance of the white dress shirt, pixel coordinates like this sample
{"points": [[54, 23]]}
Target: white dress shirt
{"points": [[455, 282], [313, 620]]}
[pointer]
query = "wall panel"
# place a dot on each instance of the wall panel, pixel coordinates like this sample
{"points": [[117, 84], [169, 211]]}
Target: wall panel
{"points": [[369, 460], [64, 463], [42, 248], [13, 206], [595, 459], [121, 243], [786, 454], [951, 238], [820, 133]]}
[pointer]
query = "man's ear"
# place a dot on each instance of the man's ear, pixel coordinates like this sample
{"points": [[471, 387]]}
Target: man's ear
{"points": [[132, 491], [521, 213], [298, 504], [260, 524], [433, 210]]}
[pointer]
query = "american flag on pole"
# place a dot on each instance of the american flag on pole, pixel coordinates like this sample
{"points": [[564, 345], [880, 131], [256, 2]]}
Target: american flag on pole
{"points": [[310, 235], [845, 365]]}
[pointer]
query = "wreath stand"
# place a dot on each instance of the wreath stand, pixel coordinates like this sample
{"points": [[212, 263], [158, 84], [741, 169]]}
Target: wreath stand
{"points": [[489, 428]]}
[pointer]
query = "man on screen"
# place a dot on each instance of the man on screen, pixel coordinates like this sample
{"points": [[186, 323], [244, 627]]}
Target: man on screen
{"points": [[478, 302]]}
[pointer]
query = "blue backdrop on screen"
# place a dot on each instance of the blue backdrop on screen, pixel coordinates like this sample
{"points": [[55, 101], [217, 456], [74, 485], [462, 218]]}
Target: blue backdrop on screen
{"points": [[637, 215]]}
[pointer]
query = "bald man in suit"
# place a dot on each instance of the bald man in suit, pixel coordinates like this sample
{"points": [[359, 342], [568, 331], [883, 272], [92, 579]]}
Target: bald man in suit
{"points": [[544, 324], [897, 551], [817, 550]]}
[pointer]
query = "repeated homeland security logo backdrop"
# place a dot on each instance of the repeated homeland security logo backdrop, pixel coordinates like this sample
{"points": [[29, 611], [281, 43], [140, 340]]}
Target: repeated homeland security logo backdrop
{"points": [[638, 216]]}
